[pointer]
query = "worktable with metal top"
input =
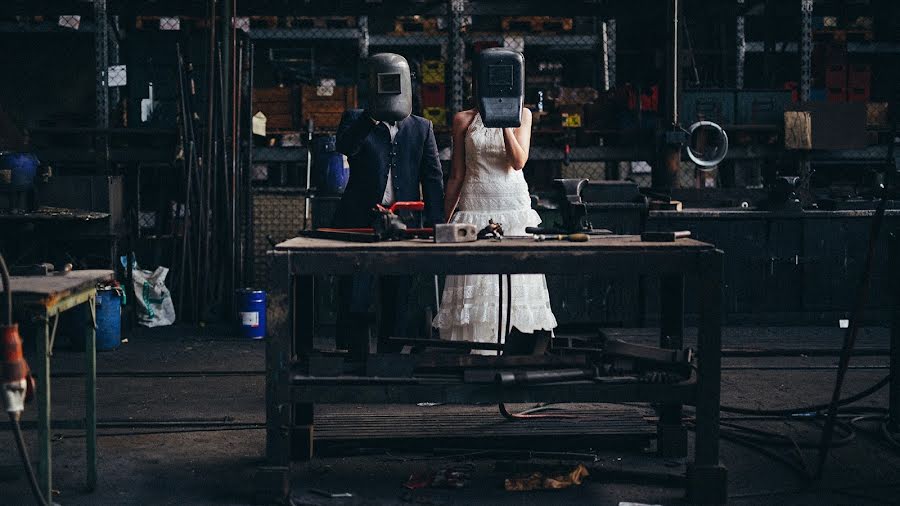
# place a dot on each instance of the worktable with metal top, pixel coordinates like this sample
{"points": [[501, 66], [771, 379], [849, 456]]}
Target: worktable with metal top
{"points": [[291, 392], [41, 299]]}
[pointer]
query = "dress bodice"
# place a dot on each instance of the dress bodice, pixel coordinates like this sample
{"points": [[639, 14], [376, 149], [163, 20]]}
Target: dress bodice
{"points": [[490, 182]]}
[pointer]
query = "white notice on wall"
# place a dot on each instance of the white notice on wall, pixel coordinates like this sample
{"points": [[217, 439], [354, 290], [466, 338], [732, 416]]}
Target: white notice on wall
{"points": [[250, 319]]}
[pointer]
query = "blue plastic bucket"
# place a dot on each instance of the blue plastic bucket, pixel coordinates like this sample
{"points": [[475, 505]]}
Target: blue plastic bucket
{"points": [[251, 309], [338, 175], [23, 168], [109, 319]]}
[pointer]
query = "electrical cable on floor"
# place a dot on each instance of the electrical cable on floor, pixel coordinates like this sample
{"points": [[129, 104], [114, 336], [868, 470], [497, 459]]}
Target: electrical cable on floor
{"points": [[882, 432], [26, 462], [861, 296], [800, 470], [769, 438], [808, 409], [173, 431]]}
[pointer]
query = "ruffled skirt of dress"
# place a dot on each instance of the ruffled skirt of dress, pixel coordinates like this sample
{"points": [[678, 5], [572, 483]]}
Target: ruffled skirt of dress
{"points": [[471, 305]]}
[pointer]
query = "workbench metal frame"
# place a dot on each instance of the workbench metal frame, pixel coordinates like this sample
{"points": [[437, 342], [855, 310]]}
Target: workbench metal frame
{"points": [[291, 394], [44, 308]]}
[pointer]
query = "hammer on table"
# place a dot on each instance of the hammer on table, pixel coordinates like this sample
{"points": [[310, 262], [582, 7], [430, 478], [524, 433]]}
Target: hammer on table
{"points": [[664, 236]]}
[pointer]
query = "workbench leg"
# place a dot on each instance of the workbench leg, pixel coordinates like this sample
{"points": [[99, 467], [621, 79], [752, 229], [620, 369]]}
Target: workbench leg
{"points": [[304, 310], [272, 481], [671, 434], [707, 478], [302, 432], [894, 395], [90, 393], [45, 462]]}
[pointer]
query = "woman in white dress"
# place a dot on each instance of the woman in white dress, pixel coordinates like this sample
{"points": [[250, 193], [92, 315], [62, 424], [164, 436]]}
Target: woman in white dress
{"points": [[486, 183]]}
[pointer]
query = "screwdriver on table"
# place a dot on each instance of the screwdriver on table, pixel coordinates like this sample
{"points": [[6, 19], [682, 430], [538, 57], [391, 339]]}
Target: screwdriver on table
{"points": [[562, 237]]}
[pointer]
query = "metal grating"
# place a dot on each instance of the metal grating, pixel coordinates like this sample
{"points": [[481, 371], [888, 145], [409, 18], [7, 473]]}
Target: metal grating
{"points": [[275, 215]]}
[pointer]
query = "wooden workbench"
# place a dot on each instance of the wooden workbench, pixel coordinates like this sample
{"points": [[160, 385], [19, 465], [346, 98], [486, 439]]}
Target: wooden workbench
{"points": [[41, 299], [291, 394]]}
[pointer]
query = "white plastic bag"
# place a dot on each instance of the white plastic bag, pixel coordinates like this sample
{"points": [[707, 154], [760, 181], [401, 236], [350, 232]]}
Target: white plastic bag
{"points": [[154, 303]]}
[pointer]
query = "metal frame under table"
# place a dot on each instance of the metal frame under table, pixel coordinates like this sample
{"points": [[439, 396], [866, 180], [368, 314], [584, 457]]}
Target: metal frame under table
{"points": [[291, 393], [42, 299]]}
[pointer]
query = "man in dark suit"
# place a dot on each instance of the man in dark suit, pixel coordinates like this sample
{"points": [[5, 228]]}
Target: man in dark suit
{"points": [[389, 162]]}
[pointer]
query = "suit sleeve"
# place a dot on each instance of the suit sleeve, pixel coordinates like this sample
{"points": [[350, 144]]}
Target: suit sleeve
{"points": [[431, 178], [354, 128]]}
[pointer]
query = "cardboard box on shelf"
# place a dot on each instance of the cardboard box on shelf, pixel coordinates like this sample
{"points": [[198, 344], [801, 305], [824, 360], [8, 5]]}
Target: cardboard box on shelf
{"points": [[826, 126]]}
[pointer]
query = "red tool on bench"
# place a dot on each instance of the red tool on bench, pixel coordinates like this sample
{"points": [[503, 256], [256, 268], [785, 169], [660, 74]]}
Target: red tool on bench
{"points": [[386, 226]]}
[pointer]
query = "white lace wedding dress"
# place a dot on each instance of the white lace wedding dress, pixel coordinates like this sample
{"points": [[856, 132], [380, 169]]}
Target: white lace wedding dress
{"points": [[492, 190]]}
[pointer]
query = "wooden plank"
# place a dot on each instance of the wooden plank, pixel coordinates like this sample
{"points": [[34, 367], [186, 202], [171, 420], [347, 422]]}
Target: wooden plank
{"points": [[604, 243], [462, 393], [58, 284], [494, 261]]}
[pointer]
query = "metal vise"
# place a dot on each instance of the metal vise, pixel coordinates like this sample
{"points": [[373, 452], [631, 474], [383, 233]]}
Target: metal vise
{"points": [[572, 208]]}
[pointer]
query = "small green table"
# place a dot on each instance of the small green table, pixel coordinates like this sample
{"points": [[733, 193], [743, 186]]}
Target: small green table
{"points": [[41, 299]]}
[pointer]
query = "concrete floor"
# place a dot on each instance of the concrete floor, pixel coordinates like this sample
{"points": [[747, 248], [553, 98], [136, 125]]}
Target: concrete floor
{"points": [[200, 467]]}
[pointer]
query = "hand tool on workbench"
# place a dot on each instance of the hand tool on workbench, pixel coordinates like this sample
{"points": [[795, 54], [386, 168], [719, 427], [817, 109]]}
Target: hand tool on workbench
{"points": [[386, 226], [562, 237], [491, 231], [572, 208]]}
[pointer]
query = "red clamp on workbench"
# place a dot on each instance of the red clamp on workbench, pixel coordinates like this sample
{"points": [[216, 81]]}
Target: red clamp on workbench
{"points": [[386, 226]]}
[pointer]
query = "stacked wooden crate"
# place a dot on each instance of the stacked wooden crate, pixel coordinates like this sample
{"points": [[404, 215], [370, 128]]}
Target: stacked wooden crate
{"points": [[325, 105], [277, 104]]}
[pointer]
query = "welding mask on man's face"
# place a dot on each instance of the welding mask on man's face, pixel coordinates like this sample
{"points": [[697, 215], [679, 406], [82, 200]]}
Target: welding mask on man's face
{"points": [[501, 87], [390, 87]]}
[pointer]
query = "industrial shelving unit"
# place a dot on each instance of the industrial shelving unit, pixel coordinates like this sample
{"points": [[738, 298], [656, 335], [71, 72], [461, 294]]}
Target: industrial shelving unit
{"points": [[445, 41]]}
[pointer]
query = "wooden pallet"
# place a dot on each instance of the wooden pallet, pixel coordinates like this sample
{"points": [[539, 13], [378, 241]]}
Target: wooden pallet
{"points": [[541, 24], [322, 22], [339, 427], [416, 24]]}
